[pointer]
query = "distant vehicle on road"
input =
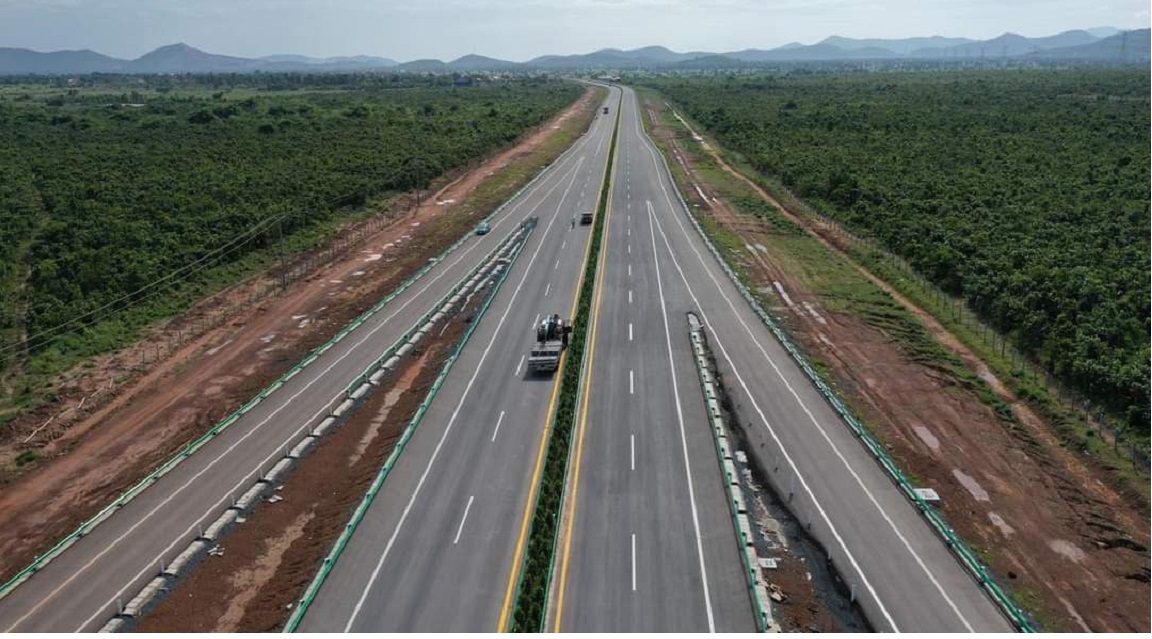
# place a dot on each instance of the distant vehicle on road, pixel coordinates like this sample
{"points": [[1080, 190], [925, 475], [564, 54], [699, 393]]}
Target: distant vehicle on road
{"points": [[605, 110], [586, 217], [483, 229], [551, 340]]}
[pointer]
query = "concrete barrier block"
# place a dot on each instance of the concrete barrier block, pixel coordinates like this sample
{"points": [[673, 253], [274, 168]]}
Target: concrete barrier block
{"points": [[745, 530], [738, 503], [196, 547], [404, 350], [281, 467], [115, 624], [324, 426], [730, 473], [212, 532], [136, 606], [302, 447], [378, 376], [361, 391], [250, 496], [391, 363], [344, 407], [725, 451]]}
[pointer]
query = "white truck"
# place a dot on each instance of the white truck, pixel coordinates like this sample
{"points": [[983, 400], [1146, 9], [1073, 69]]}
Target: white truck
{"points": [[551, 340]]}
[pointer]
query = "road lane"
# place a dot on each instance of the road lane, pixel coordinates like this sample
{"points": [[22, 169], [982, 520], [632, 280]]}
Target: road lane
{"points": [[652, 546], [906, 578], [406, 569]]}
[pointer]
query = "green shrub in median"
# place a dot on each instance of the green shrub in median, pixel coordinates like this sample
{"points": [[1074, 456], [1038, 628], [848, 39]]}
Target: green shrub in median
{"points": [[535, 576]]}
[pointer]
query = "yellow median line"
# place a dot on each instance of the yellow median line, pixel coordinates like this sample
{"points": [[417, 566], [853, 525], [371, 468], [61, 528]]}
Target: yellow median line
{"points": [[513, 573], [584, 401]]}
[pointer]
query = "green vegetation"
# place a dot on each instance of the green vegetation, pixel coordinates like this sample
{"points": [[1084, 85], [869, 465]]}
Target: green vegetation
{"points": [[124, 199], [536, 573], [1024, 192]]}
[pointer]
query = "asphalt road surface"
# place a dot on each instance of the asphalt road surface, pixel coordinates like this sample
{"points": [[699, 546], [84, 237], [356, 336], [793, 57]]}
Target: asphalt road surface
{"points": [[904, 576], [437, 548], [81, 588], [653, 546]]}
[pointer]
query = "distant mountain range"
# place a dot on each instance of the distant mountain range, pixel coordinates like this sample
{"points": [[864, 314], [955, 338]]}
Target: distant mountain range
{"points": [[1101, 44]]}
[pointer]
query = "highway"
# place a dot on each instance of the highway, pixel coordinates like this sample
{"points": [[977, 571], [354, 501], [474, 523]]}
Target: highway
{"points": [[83, 587], [653, 547], [903, 575], [437, 548]]}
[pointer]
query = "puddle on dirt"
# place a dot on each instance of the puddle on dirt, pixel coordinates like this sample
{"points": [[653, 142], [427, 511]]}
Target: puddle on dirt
{"points": [[1066, 548], [971, 485], [927, 437]]}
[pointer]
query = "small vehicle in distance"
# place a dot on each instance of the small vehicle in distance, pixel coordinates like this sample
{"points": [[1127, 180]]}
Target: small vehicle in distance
{"points": [[605, 110], [483, 229], [586, 217]]}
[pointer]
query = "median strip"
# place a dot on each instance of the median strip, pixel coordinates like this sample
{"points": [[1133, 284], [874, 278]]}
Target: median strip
{"points": [[536, 572]]}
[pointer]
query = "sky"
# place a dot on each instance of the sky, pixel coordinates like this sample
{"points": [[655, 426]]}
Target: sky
{"points": [[519, 30]]}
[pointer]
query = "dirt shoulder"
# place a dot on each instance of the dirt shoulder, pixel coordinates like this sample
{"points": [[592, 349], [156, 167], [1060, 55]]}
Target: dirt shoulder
{"points": [[261, 569], [1069, 546], [142, 404]]}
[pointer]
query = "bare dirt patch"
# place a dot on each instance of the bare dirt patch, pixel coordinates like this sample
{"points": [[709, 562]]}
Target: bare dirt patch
{"points": [[231, 346], [1053, 529]]}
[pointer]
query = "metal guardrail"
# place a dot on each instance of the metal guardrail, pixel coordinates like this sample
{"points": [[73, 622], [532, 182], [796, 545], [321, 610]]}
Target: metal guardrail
{"points": [[967, 558], [87, 526], [757, 591], [326, 567]]}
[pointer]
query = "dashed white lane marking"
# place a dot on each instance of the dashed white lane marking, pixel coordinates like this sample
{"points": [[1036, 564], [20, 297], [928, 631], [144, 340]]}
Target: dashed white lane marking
{"points": [[631, 382], [633, 562], [499, 420], [463, 519], [629, 331]]}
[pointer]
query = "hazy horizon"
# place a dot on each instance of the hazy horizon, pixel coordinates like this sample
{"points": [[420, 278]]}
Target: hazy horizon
{"points": [[521, 31]]}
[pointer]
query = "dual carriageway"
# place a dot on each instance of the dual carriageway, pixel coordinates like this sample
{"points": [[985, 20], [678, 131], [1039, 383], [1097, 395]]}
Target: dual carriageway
{"points": [[647, 540]]}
